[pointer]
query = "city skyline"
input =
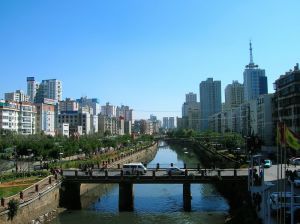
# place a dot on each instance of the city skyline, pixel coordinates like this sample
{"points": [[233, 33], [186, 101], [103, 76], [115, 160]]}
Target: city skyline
{"points": [[136, 54]]}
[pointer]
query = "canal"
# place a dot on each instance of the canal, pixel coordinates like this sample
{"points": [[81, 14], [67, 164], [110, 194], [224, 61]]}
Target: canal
{"points": [[156, 203]]}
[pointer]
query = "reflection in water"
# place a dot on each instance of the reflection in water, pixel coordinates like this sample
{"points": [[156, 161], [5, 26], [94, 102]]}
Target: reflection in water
{"points": [[156, 203]]}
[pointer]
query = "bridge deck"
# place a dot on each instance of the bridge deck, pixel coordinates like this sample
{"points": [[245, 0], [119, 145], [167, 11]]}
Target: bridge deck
{"points": [[154, 176]]}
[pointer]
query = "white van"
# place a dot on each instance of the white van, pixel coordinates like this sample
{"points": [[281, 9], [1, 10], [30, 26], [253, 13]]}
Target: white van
{"points": [[134, 168]]}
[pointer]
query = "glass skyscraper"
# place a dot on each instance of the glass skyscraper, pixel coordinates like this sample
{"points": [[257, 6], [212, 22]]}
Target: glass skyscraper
{"points": [[255, 80]]}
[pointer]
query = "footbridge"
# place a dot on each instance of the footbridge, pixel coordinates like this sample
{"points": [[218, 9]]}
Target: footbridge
{"points": [[72, 179]]}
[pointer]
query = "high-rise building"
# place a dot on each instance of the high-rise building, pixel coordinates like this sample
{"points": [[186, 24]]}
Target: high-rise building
{"points": [[17, 96], [108, 110], [50, 89], [165, 122], [124, 111], [234, 95], [46, 118], [32, 87], [171, 123], [190, 113], [255, 81], [92, 103], [286, 101], [210, 100], [190, 97]]}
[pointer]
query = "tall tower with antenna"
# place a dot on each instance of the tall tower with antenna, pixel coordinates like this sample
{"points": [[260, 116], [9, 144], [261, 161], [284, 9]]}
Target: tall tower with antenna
{"points": [[255, 80]]}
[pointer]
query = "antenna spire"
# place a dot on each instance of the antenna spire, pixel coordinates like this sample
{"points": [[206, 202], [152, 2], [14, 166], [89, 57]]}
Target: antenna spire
{"points": [[251, 56]]}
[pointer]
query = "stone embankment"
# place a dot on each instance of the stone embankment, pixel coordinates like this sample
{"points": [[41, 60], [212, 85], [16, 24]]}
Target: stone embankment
{"points": [[40, 204]]}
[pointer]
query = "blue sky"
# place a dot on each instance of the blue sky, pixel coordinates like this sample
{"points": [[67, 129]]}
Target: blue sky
{"points": [[145, 54]]}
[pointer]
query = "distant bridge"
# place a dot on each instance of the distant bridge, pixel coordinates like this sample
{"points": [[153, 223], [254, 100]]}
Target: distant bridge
{"points": [[72, 179]]}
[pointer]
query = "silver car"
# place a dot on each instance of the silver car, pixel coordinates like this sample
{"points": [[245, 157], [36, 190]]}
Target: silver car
{"points": [[175, 171]]}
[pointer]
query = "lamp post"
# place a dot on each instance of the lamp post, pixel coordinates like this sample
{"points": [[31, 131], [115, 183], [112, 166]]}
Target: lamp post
{"points": [[29, 156], [60, 158]]}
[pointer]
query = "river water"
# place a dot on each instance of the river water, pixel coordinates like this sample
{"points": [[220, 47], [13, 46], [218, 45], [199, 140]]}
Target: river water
{"points": [[156, 203]]}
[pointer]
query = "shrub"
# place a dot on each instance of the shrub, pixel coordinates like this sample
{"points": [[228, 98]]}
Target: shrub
{"points": [[13, 206]]}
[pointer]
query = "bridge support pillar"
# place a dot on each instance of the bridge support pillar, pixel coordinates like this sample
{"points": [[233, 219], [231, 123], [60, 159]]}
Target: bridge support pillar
{"points": [[126, 197], [70, 196], [187, 197]]}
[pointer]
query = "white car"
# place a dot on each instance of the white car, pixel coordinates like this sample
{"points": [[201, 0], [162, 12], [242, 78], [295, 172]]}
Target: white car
{"points": [[175, 171]]}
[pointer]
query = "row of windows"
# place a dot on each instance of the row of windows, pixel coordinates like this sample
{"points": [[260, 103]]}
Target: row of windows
{"points": [[289, 90], [288, 79], [289, 101]]}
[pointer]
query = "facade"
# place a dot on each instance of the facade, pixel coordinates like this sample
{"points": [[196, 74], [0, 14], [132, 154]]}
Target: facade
{"points": [[63, 129], [234, 95], [92, 103], [45, 118], [125, 112], [105, 124], [77, 120], [171, 123], [190, 97], [286, 101], [9, 116], [250, 118], [50, 89], [68, 105], [190, 113], [18, 117], [17, 96], [165, 122], [210, 100], [127, 127], [255, 81], [265, 129], [27, 118], [109, 110], [32, 88]]}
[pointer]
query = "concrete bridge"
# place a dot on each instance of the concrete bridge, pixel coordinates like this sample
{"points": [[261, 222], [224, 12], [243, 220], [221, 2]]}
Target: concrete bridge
{"points": [[72, 179]]}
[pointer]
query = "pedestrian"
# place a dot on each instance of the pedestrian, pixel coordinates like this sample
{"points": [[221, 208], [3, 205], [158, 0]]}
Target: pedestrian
{"points": [[259, 199]]}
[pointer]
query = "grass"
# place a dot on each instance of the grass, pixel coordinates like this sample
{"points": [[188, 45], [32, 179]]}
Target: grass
{"points": [[9, 191], [13, 187]]}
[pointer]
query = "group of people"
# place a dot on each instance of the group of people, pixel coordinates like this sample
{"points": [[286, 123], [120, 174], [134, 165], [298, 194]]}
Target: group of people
{"points": [[291, 175]]}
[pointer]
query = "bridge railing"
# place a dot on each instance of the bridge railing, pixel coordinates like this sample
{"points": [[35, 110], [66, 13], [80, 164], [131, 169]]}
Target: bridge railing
{"points": [[156, 172]]}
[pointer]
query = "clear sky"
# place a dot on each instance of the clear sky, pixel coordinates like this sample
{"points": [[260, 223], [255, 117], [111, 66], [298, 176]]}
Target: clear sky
{"points": [[142, 53]]}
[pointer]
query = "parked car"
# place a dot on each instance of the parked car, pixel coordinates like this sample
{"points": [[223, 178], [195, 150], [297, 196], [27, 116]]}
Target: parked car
{"points": [[279, 200], [267, 163], [175, 171], [134, 168], [296, 161]]}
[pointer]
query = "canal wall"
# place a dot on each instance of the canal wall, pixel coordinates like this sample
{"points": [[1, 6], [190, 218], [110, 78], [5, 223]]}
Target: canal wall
{"points": [[40, 209], [207, 157]]}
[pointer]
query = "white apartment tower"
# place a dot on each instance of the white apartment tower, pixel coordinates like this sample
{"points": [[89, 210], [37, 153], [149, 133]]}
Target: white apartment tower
{"points": [[32, 87]]}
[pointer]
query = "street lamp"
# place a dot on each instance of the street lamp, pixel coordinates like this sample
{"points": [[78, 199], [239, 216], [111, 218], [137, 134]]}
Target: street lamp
{"points": [[60, 158], [29, 156]]}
